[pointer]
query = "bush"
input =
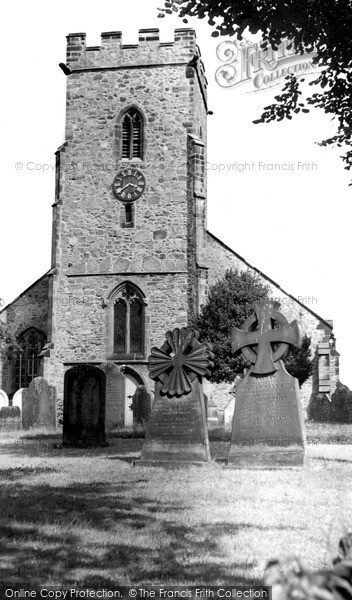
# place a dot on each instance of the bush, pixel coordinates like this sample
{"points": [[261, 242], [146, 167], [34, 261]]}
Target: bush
{"points": [[341, 404], [339, 410], [319, 408], [229, 303], [299, 363]]}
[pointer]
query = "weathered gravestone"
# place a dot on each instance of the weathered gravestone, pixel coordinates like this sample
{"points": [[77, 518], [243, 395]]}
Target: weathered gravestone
{"points": [[141, 405], [115, 396], [84, 407], [4, 400], [268, 424], [177, 429], [39, 404]]}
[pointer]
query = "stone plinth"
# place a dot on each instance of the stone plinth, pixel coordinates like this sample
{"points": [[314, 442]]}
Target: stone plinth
{"points": [[177, 432], [268, 422]]}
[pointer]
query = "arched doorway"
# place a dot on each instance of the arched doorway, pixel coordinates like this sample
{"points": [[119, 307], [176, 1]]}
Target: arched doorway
{"points": [[132, 380]]}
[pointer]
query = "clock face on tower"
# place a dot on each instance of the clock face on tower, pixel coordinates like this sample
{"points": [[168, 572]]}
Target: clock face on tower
{"points": [[128, 184]]}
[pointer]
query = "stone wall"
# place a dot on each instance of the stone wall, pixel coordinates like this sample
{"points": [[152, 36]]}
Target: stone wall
{"points": [[83, 310], [167, 254], [93, 251]]}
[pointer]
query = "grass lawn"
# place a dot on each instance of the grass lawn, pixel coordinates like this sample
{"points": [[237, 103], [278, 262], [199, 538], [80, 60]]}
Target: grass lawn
{"points": [[72, 517]]}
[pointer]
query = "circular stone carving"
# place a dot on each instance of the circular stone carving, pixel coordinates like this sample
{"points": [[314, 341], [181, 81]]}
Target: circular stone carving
{"points": [[190, 359], [282, 348]]}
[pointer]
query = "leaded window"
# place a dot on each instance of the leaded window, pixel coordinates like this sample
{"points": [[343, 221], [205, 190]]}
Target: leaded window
{"points": [[128, 322], [26, 359]]}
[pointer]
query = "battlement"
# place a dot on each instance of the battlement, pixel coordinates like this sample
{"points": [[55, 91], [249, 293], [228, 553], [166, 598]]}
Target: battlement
{"points": [[113, 53], [79, 55]]}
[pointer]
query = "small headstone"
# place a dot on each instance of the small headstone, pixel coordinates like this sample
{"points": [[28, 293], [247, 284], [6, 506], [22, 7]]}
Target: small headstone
{"points": [[115, 396], [177, 431], [84, 406], [4, 401], [212, 411], [17, 399], [39, 404], [268, 423], [141, 405]]}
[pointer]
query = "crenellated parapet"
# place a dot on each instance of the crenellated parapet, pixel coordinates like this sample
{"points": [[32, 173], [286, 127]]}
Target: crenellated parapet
{"points": [[112, 54]]}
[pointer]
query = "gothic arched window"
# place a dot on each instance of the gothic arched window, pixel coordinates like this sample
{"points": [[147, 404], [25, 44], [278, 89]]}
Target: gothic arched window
{"points": [[128, 322], [132, 134], [26, 359]]}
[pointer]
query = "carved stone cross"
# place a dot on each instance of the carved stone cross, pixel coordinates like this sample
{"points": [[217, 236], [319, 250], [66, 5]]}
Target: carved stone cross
{"points": [[272, 327]]}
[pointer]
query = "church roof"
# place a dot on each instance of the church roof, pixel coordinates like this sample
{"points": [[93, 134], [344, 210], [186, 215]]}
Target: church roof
{"points": [[326, 323], [25, 291]]}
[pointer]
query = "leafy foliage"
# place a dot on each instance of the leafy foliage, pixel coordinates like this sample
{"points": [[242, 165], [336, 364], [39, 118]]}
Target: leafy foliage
{"points": [[7, 340], [229, 304], [323, 26], [299, 362], [319, 408], [341, 404], [339, 410]]}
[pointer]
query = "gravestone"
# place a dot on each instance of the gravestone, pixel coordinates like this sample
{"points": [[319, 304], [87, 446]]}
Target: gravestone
{"points": [[39, 404], [177, 429], [17, 399], [141, 405], [4, 401], [84, 407], [268, 423], [115, 396]]}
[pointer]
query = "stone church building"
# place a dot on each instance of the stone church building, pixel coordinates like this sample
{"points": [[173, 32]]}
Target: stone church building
{"points": [[131, 254]]}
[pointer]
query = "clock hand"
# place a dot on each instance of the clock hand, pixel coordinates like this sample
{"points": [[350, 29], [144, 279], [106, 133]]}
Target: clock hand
{"points": [[129, 185]]}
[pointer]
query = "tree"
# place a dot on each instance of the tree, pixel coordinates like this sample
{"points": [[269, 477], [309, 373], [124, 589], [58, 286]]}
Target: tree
{"points": [[229, 303], [321, 25], [7, 340], [299, 363]]}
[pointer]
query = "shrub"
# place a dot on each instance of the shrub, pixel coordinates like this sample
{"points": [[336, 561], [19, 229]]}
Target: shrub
{"points": [[319, 408], [341, 404]]}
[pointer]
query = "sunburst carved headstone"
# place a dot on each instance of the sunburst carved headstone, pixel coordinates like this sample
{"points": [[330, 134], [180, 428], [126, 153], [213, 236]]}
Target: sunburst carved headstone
{"points": [[177, 429]]}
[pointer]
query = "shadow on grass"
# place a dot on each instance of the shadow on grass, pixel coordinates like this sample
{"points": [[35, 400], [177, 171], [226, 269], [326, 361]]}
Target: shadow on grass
{"points": [[20, 472], [337, 460], [101, 535], [123, 447]]}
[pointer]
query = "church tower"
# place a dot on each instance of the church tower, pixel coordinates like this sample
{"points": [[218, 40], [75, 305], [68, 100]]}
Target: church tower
{"points": [[130, 209]]}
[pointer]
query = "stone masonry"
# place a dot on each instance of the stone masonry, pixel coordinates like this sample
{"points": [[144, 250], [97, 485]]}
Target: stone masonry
{"points": [[168, 255]]}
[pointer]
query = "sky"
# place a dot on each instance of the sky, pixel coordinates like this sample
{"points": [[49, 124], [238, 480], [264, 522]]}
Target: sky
{"points": [[291, 222]]}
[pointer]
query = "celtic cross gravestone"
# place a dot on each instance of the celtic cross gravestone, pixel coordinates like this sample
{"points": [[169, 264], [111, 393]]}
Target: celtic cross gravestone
{"points": [[177, 429], [268, 424]]}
